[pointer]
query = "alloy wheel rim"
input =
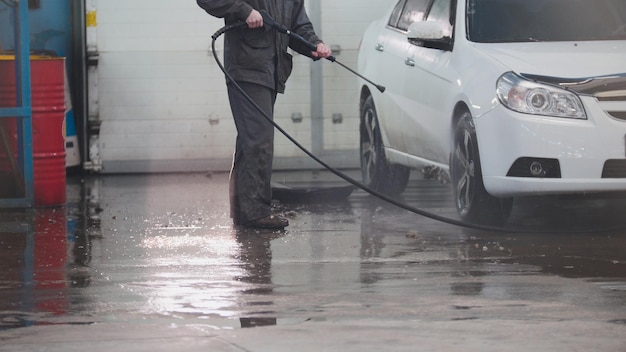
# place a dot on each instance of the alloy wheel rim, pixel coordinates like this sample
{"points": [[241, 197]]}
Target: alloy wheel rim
{"points": [[466, 171], [368, 145]]}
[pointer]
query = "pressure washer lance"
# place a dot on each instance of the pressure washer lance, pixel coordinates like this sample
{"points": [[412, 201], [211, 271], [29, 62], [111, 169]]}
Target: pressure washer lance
{"points": [[267, 19]]}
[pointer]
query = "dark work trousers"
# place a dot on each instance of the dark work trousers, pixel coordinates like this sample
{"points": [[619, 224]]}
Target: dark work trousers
{"points": [[251, 173]]}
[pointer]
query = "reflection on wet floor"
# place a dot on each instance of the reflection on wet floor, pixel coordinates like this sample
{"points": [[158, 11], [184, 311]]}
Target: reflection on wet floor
{"points": [[135, 248], [46, 253]]}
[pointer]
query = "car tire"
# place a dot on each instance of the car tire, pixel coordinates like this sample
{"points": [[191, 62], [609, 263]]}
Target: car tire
{"points": [[377, 172], [474, 204]]}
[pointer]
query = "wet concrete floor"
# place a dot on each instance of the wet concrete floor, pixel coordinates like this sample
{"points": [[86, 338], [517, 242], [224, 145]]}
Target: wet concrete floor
{"points": [[152, 263]]}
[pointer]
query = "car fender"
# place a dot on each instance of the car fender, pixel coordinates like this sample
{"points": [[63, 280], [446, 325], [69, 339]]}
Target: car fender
{"points": [[478, 76]]}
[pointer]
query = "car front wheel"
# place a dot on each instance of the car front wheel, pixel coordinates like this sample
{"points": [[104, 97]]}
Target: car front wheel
{"points": [[377, 172], [473, 202]]}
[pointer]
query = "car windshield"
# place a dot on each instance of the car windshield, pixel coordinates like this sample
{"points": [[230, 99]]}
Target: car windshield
{"points": [[497, 21]]}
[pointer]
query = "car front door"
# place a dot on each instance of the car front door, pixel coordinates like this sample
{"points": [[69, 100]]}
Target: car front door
{"points": [[426, 87], [393, 46]]}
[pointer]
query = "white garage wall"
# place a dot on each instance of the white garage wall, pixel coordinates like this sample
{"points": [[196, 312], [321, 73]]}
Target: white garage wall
{"points": [[162, 98]]}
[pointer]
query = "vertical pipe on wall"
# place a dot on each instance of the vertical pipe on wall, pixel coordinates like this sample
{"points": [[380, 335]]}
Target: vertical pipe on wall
{"points": [[93, 109], [317, 85], [79, 78]]}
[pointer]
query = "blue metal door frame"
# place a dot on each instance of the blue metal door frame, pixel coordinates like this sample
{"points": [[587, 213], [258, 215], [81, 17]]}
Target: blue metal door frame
{"points": [[23, 106]]}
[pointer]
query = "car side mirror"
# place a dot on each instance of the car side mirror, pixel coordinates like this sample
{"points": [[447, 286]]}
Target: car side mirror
{"points": [[431, 34]]}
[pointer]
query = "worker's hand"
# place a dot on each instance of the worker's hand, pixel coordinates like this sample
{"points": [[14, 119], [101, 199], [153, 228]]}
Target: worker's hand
{"points": [[254, 20], [322, 52]]}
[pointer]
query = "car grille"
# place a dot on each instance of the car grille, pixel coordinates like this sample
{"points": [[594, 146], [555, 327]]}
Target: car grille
{"points": [[620, 115], [620, 96], [612, 97], [615, 168]]}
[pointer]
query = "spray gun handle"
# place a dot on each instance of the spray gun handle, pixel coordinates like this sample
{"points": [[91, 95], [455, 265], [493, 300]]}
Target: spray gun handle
{"points": [[299, 38], [269, 21]]}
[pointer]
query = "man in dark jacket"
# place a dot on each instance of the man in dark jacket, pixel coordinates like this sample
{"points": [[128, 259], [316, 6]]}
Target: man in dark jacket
{"points": [[257, 59]]}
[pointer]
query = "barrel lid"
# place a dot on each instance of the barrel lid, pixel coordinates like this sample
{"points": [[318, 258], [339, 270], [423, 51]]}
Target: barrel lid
{"points": [[32, 57]]}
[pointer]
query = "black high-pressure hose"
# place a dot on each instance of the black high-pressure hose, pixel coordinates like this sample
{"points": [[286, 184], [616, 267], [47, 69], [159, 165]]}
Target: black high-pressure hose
{"points": [[268, 20]]}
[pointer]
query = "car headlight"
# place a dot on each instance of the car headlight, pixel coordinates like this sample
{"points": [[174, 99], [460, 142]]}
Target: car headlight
{"points": [[521, 95]]}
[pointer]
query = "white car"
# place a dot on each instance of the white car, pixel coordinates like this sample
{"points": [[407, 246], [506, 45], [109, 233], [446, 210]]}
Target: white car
{"points": [[507, 98]]}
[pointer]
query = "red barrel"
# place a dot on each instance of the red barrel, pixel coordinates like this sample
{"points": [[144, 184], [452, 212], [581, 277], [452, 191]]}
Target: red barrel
{"points": [[48, 106]]}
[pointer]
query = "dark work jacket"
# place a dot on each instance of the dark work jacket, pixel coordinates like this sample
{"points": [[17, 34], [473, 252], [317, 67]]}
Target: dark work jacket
{"points": [[260, 55]]}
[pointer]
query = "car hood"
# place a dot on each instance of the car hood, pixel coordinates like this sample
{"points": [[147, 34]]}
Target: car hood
{"points": [[566, 59]]}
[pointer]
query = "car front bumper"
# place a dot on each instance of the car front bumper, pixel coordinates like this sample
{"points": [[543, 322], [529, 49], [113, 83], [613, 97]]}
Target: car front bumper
{"points": [[582, 148]]}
